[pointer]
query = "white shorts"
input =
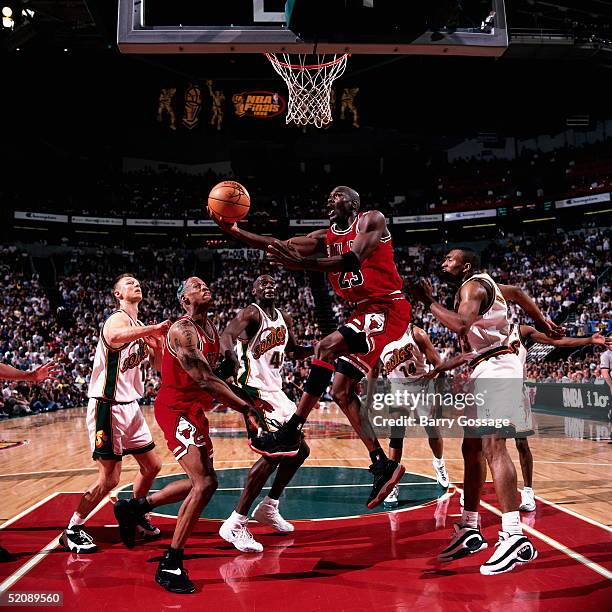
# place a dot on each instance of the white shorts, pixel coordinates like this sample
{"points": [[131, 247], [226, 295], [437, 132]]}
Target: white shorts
{"points": [[284, 408], [413, 399], [117, 429], [498, 383]]}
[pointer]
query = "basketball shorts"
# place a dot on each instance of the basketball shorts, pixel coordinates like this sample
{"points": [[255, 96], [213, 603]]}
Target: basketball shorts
{"points": [[497, 384], [525, 426], [117, 429], [284, 408], [183, 429], [370, 328]]}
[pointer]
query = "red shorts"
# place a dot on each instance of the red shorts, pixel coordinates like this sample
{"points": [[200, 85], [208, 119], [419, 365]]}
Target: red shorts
{"points": [[183, 429], [373, 325]]}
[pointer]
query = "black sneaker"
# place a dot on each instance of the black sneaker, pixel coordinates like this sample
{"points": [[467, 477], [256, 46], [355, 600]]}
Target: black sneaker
{"points": [[173, 579], [145, 530], [77, 540], [282, 443], [127, 522], [387, 474]]}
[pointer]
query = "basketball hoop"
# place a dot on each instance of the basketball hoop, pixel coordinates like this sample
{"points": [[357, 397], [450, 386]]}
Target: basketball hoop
{"points": [[309, 85]]}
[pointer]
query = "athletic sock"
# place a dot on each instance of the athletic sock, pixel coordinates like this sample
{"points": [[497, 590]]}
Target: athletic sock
{"points": [[76, 519], [469, 519], [528, 490], [438, 462], [174, 557], [295, 422], [511, 523], [270, 501], [378, 454], [141, 505], [237, 519]]}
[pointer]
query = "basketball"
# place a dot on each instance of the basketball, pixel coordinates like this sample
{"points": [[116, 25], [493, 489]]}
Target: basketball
{"points": [[229, 200]]}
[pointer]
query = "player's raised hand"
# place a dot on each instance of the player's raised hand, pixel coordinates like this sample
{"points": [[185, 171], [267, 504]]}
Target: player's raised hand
{"points": [[552, 330], [601, 340], [161, 329], [229, 228], [421, 291], [285, 255], [49, 370]]}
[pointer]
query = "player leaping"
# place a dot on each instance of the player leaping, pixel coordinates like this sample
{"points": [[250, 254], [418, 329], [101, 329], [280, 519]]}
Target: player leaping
{"points": [[356, 252]]}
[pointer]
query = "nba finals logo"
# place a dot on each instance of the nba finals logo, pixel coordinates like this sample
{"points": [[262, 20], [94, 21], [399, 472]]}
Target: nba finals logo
{"points": [[258, 104]]}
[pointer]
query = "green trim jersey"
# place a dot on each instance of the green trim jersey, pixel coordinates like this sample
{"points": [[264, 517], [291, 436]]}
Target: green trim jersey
{"points": [[403, 359], [116, 374], [262, 356]]}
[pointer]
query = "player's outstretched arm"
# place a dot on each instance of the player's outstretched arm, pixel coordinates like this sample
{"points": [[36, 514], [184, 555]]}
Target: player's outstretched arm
{"points": [[184, 340], [38, 374], [445, 366], [530, 333], [118, 331], [235, 328], [305, 245], [518, 296], [299, 351], [371, 229]]}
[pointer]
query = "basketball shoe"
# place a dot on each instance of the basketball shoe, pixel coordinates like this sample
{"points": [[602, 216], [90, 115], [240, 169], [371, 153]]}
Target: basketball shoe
{"points": [[173, 577], [528, 503], [441, 473], [145, 530], [465, 541], [285, 442], [239, 535], [387, 474], [77, 540], [392, 500], [127, 522], [510, 550], [267, 513]]}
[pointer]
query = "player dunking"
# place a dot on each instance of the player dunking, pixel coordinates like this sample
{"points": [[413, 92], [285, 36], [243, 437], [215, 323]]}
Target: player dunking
{"points": [[481, 321], [188, 389], [114, 419], [405, 364], [263, 334], [356, 252]]}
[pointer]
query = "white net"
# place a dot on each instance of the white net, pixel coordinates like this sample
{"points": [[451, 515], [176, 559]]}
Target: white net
{"points": [[309, 84]]}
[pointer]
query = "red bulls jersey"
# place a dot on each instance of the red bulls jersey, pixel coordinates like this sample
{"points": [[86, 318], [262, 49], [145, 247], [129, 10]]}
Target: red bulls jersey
{"points": [[178, 390], [378, 277]]}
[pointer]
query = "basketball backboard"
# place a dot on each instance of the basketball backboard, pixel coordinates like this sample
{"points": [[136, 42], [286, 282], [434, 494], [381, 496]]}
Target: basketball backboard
{"points": [[427, 27]]}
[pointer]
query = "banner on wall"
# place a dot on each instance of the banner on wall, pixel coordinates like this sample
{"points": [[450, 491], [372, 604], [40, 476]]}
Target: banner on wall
{"points": [[97, 220], [470, 214], [309, 222], [259, 104], [201, 223], [155, 222], [417, 219], [584, 400], [583, 200], [33, 216]]}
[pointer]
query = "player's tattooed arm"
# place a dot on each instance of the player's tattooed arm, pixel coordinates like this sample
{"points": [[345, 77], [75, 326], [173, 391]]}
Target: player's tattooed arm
{"points": [[236, 328], [298, 351], [183, 338], [118, 330], [518, 296], [532, 334], [371, 227]]}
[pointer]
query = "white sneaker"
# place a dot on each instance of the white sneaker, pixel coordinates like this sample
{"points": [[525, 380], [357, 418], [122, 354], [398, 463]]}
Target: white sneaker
{"points": [[392, 500], [528, 503], [464, 541], [441, 474], [240, 537], [510, 551], [268, 514]]}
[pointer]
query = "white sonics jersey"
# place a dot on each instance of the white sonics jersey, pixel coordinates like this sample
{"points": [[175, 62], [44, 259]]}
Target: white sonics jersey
{"points": [[516, 342], [262, 357], [116, 373], [492, 328], [403, 359]]}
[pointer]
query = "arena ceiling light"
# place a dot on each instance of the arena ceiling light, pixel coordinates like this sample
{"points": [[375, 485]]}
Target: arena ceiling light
{"points": [[7, 17]]}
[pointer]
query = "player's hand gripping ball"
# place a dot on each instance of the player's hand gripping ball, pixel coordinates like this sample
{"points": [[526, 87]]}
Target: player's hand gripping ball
{"points": [[228, 202]]}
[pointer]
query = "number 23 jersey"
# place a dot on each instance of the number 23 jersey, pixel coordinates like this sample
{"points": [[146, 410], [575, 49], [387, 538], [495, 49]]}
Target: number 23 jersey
{"points": [[377, 277]]}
